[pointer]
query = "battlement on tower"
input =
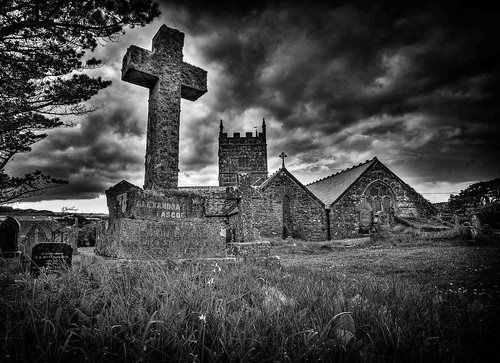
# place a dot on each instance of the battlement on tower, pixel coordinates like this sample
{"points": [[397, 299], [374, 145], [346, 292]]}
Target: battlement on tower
{"points": [[248, 138]]}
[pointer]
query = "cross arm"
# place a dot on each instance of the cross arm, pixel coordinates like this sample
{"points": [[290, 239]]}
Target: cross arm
{"points": [[135, 67], [194, 82]]}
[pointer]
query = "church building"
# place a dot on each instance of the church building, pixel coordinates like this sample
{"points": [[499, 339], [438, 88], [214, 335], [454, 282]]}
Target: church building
{"points": [[346, 204]]}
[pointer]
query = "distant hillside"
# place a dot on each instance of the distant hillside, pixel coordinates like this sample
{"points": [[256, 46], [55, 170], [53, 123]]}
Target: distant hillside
{"points": [[6, 210], [18, 211]]}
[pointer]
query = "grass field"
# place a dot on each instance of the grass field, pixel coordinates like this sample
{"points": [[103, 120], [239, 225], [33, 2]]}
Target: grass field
{"points": [[453, 266], [416, 302]]}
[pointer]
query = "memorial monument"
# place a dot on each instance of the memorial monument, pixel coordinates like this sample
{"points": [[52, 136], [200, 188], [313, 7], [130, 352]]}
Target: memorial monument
{"points": [[164, 221]]}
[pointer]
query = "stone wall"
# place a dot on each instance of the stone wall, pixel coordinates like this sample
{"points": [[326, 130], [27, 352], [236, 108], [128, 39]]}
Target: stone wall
{"points": [[263, 215], [344, 217], [260, 216], [234, 230]]}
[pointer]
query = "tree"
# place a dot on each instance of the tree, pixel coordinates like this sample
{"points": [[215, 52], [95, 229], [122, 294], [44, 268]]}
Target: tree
{"points": [[42, 57], [476, 195]]}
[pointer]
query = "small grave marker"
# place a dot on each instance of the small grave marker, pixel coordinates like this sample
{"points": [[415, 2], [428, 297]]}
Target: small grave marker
{"points": [[50, 256]]}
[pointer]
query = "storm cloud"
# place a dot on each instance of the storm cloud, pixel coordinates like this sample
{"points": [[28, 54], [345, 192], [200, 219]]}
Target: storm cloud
{"points": [[415, 84]]}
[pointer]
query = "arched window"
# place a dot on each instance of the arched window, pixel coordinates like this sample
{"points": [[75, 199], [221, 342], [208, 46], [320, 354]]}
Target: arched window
{"points": [[380, 197]]}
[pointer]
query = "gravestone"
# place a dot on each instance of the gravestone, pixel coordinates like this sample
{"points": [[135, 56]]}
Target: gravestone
{"points": [[477, 226], [365, 216], [9, 231], [383, 220], [169, 79], [50, 257]]}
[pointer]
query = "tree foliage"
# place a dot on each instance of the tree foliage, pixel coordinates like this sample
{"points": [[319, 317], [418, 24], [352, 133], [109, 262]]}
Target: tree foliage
{"points": [[42, 56], [476, 195]]}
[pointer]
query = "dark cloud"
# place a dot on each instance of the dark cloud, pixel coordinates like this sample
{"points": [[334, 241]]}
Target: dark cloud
{"points": [[415, 83]]}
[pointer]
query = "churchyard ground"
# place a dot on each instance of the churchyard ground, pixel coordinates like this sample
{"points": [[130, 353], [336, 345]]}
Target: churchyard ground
{"points": [[419, 301], [454, 266]]}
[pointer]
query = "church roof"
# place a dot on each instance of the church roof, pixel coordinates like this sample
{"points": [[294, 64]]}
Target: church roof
{"points": [[331, 188], [284, 170]]}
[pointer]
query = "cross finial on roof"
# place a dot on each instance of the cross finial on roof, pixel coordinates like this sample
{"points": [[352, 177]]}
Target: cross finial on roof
{"points": [[282, 156]]}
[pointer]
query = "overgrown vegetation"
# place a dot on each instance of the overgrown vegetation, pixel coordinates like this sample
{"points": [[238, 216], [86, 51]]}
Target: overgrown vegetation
{"points": [[146, 312]]}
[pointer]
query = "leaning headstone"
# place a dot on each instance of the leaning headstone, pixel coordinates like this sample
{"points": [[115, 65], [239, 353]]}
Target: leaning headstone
{"points": [[50, 257]]}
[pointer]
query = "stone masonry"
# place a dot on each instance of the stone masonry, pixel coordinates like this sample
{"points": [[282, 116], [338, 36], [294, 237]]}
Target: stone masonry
{"points": [[278, 208], [168, 78], [344, 218], [242, 155], [173, 223]]}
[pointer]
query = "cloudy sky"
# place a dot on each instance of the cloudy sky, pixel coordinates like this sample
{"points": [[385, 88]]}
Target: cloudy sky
{"points": [[416, 86]]}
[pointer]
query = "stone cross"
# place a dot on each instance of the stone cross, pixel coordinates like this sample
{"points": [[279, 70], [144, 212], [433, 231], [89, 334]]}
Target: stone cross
{"points": [[282, 156], [169, 79]]}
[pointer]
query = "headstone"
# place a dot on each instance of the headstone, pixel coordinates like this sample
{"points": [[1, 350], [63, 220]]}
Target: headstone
{"points": [[50, 257], [169, 79], [9, 230], [365, 216], [477, 226], [456, 220], [381, 222]]}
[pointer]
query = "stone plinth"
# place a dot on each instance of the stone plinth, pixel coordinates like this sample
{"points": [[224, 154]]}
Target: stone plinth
{"points": [[167, 239], [167, 224]]}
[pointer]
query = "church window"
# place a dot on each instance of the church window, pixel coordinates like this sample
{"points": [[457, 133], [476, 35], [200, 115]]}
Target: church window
{"points": [[380, 196]]}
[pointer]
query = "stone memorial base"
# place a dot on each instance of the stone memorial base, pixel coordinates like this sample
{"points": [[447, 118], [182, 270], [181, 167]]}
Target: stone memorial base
{"points": [[177, 225], [165, 224], [153, 239]]}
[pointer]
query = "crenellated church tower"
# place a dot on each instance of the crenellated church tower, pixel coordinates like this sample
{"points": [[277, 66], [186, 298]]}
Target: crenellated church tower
{"points": [[242, 156]]}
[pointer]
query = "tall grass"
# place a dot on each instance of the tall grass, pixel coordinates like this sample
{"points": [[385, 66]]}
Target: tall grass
{"points": [[237, 313]]}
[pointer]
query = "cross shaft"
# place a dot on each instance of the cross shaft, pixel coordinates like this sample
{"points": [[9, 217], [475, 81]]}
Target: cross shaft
{"points": [[168, 79]]}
